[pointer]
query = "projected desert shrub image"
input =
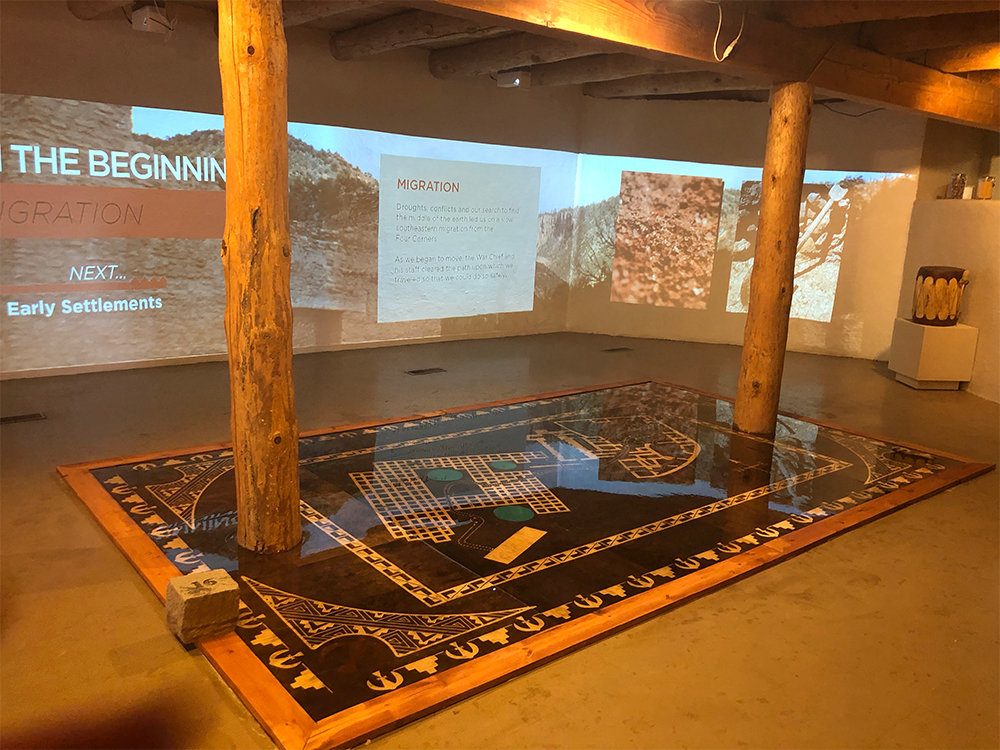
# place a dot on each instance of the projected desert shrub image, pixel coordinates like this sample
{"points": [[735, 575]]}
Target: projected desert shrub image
{"points": [[823, 218], [665, 239]]}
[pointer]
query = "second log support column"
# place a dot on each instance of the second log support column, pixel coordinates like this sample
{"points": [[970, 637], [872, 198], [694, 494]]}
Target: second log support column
{"points": [[773, 275], [256, 257]]}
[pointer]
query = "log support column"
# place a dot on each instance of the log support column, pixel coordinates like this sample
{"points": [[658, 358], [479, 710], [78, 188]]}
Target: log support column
{"points": [[771, 282], [256, 256]]}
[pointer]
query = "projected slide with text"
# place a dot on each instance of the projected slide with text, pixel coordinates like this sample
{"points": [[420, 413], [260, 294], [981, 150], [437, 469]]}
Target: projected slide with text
{"points": [[455, 238], [111, 219]]}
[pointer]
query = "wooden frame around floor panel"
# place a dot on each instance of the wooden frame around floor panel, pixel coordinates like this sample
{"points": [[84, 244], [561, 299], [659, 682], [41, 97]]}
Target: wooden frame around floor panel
{"points": [[291, 727]]}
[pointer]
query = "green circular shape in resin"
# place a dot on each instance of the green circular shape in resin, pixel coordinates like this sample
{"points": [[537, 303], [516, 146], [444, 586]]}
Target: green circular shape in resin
{"points": [[514, 513], [503, 465], [444, 475]]}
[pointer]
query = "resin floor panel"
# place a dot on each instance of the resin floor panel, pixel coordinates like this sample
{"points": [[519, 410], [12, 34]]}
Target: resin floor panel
{"points": [[443, 553]]}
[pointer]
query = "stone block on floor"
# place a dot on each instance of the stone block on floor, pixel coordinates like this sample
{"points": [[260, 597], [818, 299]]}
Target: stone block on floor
{"points": [[202, 605]]}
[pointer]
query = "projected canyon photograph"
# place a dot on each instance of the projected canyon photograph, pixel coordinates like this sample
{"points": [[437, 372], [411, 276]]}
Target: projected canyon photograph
{"points": [[665, 239]]}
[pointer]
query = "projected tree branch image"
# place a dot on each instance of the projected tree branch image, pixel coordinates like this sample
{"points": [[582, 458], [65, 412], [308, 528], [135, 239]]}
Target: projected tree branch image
{"points": [[666, 238], [824, 214], [594, 249]]}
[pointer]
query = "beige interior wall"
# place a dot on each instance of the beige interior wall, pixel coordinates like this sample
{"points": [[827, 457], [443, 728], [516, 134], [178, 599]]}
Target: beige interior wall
{"points": [[735, 133], [45, 51], [960, 233], [964, 234], [950, 148]]}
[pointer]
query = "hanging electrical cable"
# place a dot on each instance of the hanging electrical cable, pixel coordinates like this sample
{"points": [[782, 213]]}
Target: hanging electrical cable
{"points": [[718, 32]]}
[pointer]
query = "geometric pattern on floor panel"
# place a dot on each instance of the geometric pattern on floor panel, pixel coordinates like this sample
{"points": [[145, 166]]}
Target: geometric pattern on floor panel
{"points": [[317, 623]]}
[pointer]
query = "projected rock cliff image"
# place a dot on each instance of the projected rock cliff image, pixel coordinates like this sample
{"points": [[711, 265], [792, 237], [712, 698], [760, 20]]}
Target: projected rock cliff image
{"points": [[666, 238]]}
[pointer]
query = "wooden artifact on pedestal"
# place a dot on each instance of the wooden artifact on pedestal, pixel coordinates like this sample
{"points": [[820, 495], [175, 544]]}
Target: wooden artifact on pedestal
{"points": [[256, 256], [772, 278], [937, 295], [932, 350]]}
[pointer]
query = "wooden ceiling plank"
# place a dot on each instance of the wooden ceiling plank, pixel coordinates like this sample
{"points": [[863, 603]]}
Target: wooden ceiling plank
{"points": [[877, 79], [406, 30], [510, 52], [967, 58], [758, 96], [87, 10], [595, 68], [761, 95], [812, 13], [689, 82], [767, 48], [301, 12], [989, 77], [676, 27], [914, 34]]}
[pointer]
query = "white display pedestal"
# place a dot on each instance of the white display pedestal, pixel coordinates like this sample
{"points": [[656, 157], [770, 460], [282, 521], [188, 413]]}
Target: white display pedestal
{"points": [[932, 357]]}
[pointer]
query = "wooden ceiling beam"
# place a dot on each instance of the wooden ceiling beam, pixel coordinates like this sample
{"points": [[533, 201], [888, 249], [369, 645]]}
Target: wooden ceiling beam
{"points": [[690, 82], [989, 77], [914, 34], [963, 59], [295, 12], [812, 13], [87, 10], [406, 30], [869, 77], [759, 95], [507, 53], [768, 49], [595, 68], [300, 12], [675, 27]]}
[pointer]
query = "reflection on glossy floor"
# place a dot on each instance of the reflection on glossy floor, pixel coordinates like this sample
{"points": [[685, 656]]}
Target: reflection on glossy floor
{"points": [[428, 544], [905, 609]]}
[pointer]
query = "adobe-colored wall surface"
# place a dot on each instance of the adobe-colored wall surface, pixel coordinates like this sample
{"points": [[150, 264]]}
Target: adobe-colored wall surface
{"points": [[45, 51]]}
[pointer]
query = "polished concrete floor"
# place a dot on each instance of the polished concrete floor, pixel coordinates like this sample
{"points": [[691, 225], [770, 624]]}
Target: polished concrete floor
{"points": [[888, 636]]}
